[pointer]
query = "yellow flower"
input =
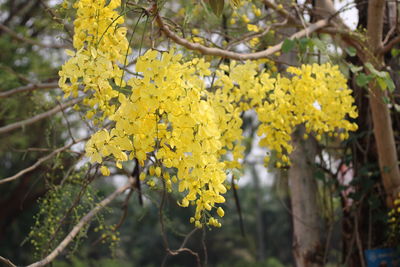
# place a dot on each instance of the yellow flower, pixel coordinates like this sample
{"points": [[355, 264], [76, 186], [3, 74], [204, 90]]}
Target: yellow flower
{"points": [[245, 19], [252, 27], [220, 212], [105, 171]]}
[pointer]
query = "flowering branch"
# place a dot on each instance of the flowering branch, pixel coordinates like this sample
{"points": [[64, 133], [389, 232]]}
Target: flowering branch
{"points": [[234, 55]]}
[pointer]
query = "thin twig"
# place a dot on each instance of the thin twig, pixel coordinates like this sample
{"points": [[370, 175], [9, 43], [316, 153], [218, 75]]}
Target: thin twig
{"points": [[41, 116], [124, 208], [358, 241], [239, 210], [182, 248], [40, 161], [203, 242], [54, 17], [187, 237], [66, 121], [388, 35]]}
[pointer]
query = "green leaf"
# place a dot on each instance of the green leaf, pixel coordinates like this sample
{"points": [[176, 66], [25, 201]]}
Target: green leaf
{"points": [[217, 6], [320, 45], [374, 71], [395, 52], [389, 82], [386, 100], [382, 77], [386, 82], [382, 84], [304, 43], [351, 51], [354, 69], [287, 45], [362, 79]]}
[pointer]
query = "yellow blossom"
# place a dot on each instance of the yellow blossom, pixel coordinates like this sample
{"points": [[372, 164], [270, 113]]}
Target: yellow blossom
{"points": [[252, 27]]}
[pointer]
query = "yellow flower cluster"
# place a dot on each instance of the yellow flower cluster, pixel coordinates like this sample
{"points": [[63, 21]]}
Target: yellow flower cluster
{"points": [[170, 118], [100, 44], [314, 95]]}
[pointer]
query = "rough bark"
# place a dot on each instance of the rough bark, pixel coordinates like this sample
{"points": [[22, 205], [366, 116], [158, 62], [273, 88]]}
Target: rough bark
{"points": [[307, 251], [383, 131], [303, 187]]}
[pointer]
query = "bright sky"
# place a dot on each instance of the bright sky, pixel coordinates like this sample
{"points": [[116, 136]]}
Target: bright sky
{"points": [[349, 14]]}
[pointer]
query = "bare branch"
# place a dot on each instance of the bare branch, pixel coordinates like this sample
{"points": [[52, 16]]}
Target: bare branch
{"points": [[20, 124], [390, 45], [27, 40], [28, 88], [234, 55], [40, 161], [77, 228]]}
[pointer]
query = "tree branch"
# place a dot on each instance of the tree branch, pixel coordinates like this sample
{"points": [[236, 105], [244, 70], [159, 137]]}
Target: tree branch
{"points": [[234, 55], [390, 45], [40, 161], [7, 262], [77, 228], [28, 88], [20, 124]]}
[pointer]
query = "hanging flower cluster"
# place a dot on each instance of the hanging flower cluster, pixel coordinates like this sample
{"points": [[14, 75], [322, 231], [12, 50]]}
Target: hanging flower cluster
{"points": [[170, 118], [100, 44]]}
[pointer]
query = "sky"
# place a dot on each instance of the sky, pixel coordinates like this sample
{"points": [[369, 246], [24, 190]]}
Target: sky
{"points": [[349, 14]]}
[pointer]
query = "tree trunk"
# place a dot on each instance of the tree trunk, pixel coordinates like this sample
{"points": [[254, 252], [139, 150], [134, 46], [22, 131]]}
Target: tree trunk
{"points": [[307, 251], [303, 188], [383, 131]]}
